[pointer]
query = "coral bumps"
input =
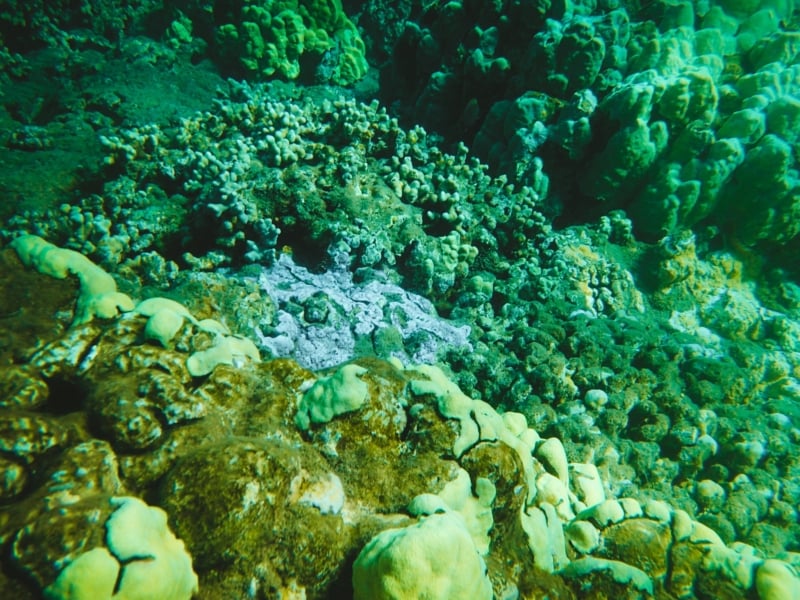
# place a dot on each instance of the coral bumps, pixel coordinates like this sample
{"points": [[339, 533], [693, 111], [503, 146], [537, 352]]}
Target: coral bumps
{"points": [[394, 471], [278, 38], [679, 115]]}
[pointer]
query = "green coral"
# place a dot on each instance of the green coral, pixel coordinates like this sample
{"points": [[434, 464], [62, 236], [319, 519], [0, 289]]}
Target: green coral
{"points": [[35, 23], [342, 392], [144, 559], [433, 558], [98, 290], [271, 38]]}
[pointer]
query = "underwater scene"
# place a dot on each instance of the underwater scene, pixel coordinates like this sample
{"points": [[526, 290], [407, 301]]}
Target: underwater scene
{"points": [[398, 300]]}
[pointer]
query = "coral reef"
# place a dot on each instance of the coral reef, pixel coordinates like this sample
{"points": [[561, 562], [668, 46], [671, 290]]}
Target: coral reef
{"points": [[668, 110], [523, 297], [411, 463], [661, 361]]}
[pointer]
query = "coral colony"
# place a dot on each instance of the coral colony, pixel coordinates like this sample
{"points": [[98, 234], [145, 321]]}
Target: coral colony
{"points": [[310, 299]]}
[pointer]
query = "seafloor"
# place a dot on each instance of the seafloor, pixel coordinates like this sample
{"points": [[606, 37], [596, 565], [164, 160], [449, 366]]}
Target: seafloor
{"points": [[398, 300]]}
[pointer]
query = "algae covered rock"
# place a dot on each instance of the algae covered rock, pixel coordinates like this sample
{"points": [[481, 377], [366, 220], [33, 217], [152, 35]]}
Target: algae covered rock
{"points": [[265, 502]]}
